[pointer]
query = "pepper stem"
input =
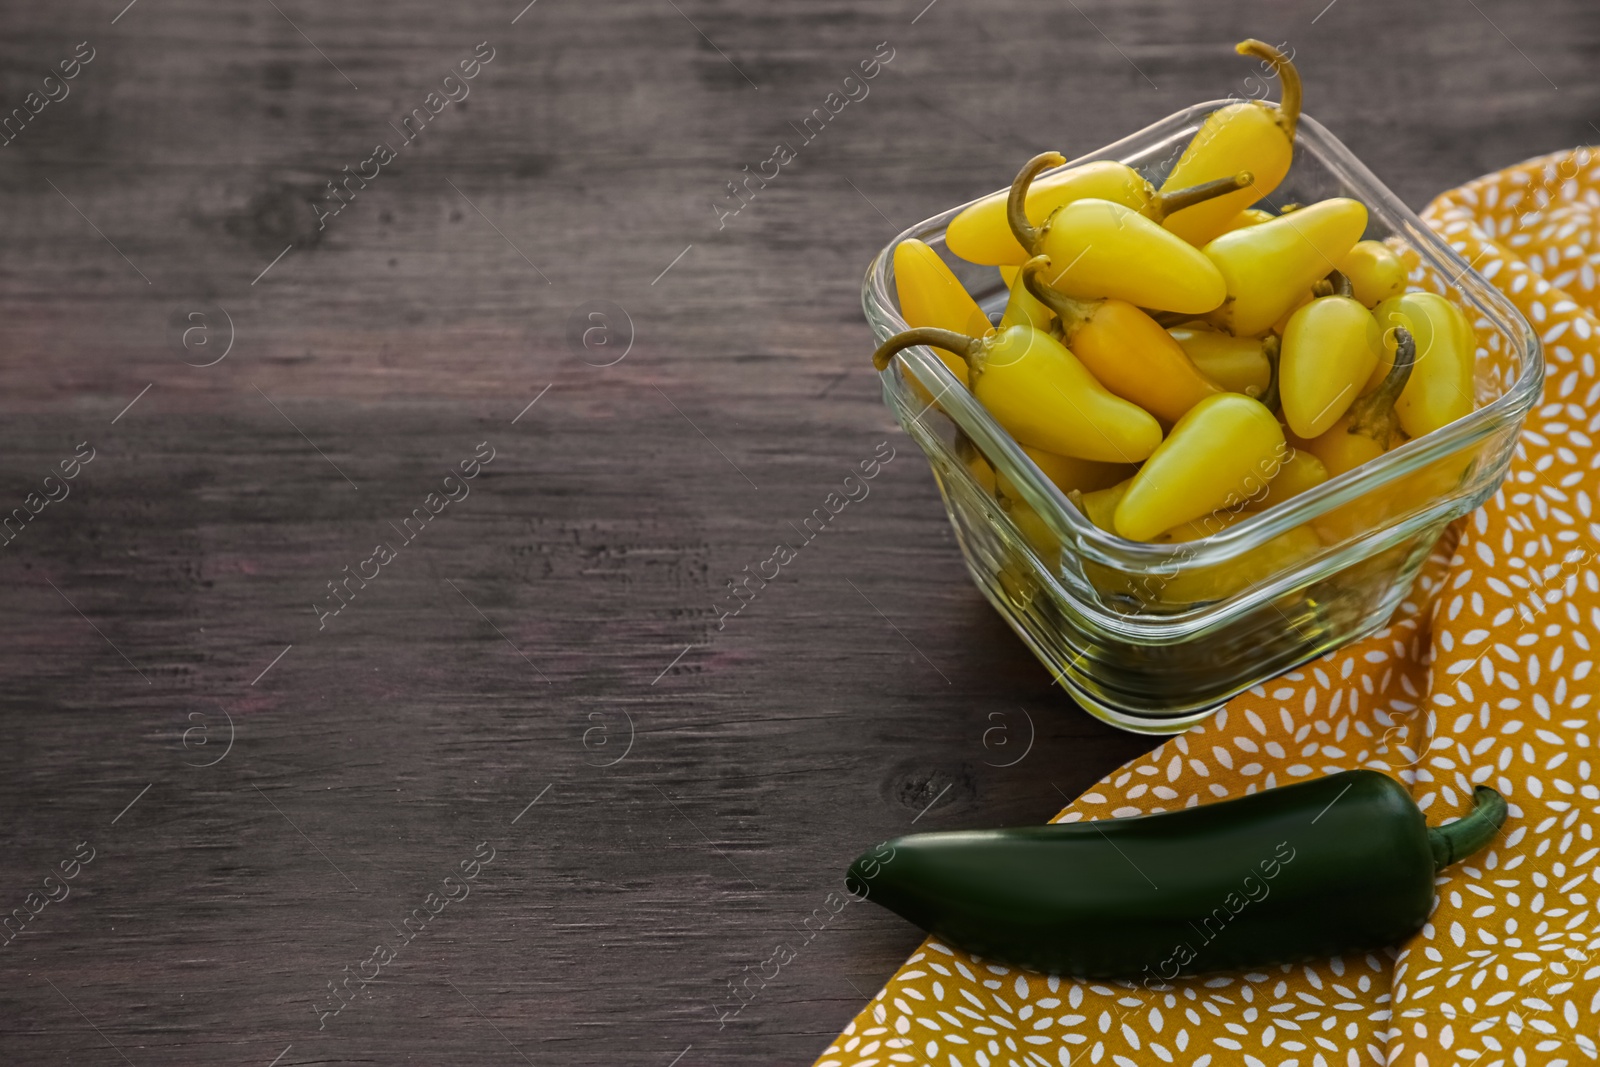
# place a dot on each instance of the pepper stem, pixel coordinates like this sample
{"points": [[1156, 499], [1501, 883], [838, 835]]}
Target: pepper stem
{"points": [[1073, 313], [1460, 839], [949, 340], [1373, 415], [1283, 67], [1341, 283], [1026, 233], [1163, 204]]}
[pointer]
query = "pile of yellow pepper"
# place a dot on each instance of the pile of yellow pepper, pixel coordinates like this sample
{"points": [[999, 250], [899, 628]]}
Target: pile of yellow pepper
{"points": [[1177, 360]]}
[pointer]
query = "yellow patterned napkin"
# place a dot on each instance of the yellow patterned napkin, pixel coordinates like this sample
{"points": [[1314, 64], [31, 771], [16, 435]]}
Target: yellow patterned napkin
{"points": [[1485, 675]]}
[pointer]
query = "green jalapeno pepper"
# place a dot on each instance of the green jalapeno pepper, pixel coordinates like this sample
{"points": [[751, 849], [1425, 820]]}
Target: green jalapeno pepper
{"points": [[1338, 864]]}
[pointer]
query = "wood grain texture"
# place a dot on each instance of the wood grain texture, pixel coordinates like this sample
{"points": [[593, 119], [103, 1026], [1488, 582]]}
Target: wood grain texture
{"points": [[502, 655]]}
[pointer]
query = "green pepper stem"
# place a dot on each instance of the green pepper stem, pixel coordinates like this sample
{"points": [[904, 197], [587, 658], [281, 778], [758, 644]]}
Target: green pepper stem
{"points": [[1163, 204], [1026, 233], [1340, 283], [1283, 67], [1373, 415], [949, 340], [1460, 839], [1072, 313]]}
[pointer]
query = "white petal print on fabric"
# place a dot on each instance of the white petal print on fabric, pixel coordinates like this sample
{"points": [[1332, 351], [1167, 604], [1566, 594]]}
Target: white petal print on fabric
{"points": [[1485, 675]]}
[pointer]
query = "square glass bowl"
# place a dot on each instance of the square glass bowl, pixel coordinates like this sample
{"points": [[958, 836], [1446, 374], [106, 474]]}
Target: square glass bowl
{"points": [[1155, 637]]}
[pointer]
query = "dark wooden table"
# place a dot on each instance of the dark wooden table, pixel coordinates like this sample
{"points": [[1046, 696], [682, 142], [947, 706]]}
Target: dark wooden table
{"points": [[540, 671]]}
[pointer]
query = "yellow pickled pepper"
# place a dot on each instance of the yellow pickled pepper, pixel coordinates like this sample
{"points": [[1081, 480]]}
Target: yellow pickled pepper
{"points": [[1369, 429], [1372, 426], [1024, 307], [1300, 471], [1041, 394], [1070, 476], [1216, 457], [1250, 216], [1254, 136], [1268, 267], [1034, 530], [1375, 272], [1330, 348], [1107, 249], [1124, 348], [1193, 584], [1318, 288], [981, 233], [1340, 448], [1066, 472], [1100, 505], [931, 295], [1069, 473], [1197, 584], [1238, 364], [1440, 389]]}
